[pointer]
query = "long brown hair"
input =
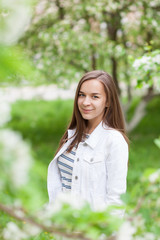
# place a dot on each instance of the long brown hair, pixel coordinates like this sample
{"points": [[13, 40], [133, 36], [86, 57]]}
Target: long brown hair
{"points": [[113, 116]]}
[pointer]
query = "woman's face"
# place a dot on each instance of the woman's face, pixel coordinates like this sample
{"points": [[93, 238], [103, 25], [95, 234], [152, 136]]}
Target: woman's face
{"points": [[92, 100]]}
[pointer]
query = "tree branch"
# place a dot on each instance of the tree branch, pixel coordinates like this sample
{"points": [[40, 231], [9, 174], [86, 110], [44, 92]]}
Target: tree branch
{"points": [[32, 221], [139, 204], [140, 111]]}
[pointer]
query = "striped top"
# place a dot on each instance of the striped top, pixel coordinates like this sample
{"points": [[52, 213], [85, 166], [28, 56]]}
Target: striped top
{"points": [[65, 164]]}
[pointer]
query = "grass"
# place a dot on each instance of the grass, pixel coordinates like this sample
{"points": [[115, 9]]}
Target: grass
{"points": [[143, 152], [42, 124]]}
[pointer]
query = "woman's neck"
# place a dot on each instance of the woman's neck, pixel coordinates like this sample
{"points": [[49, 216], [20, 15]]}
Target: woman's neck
{"points": [[91, 126]]}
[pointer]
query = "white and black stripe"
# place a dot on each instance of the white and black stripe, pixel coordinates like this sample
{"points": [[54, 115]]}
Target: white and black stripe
{"points": [[65, 165]]}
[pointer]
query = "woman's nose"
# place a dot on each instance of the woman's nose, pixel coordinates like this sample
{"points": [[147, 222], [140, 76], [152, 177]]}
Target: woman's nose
{"points": [[86, 101]]}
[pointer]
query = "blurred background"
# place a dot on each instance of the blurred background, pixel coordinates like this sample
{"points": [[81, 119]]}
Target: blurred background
{"points": [[45, 48]]}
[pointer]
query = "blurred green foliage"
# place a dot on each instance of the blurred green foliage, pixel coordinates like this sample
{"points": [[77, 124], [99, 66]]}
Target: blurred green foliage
{"points": [[143, 152], [42, 123], [39, 120], [16, 68], [63, 43]]}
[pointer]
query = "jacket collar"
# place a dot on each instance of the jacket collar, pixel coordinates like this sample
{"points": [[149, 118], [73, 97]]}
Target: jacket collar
{"points": [[94, 136], [71, 132]]}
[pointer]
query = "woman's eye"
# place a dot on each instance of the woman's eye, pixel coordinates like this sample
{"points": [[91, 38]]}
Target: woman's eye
{"points": [[81, 95], [95, 96]]}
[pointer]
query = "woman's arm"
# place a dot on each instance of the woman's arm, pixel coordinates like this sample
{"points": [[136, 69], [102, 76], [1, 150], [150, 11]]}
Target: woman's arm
{"points": [[53, 181], [117, 167]]}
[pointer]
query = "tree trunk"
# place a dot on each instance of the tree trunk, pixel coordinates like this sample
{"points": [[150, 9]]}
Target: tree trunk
{"points": [[113, 24], [140, 110], [93, 61], [60, 10], [114, 74]]}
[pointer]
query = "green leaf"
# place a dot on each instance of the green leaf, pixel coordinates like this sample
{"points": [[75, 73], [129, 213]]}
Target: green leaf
{"points": [[157, 142]]}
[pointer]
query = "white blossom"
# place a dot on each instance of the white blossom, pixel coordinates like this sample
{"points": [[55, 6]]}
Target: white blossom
{"points": [[31, 230], [119, 33], [148, 62], [40, 66], [126, 231], [154, 176], [156, 59], [146, 236], [76, 1], [5, 109], [40, 7], [149, 236], [18, 13], [137, 63], [37, 56], [82, 21], [124, 20], [17, 153], [4, 112], [153, 3], [154, 23], [103, 26], [74, 201], [139, 221], [147, 67], [158, 203], [49, 210], [138, 238], [112, 6], [12, 231], [145, 60]]}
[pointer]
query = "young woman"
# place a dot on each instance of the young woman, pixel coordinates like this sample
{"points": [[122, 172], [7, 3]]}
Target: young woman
{"points": [[92, 158]]}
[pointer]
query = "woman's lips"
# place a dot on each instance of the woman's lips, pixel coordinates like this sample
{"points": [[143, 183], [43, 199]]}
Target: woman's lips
{"points": [[86, 110]]}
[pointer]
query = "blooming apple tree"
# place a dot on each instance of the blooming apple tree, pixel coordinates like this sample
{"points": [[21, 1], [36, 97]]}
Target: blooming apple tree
{"points": [[68, 217]]}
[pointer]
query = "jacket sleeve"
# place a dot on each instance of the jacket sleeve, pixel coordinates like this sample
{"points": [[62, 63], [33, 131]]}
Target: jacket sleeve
{"points": [[54, 185], [117, 167]]}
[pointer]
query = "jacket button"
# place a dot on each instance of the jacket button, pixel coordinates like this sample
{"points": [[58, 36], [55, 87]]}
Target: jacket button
{"points": [[91, 160], [76, 177]]}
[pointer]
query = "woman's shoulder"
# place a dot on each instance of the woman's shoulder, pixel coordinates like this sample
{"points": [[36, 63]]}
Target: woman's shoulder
{"points": [[114, 136]]}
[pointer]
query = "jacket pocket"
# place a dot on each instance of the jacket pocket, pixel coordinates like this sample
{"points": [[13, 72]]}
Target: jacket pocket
{"points": [[94, 172], [94, 159]]}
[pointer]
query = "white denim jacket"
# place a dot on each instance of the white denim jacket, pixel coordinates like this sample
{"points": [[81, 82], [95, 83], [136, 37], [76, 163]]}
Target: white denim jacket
{"points": [[100, 168]]}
